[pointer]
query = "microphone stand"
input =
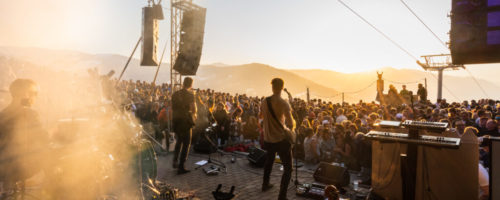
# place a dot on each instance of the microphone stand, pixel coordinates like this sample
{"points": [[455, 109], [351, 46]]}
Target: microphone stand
{"points": [[210, 160], [297, 182], [290, 99]]}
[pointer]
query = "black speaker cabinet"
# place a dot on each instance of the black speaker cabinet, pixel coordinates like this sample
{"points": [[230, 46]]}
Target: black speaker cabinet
{"points": [[191, 42], [257, 157], [475, 31], [327, 173], [149, 37], [494, 144]]}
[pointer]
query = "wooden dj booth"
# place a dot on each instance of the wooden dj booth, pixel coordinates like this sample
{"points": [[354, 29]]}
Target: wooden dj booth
{"points": [[423, 160]]}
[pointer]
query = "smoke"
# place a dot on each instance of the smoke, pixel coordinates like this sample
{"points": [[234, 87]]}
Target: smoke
{"points": [[81, 145]]}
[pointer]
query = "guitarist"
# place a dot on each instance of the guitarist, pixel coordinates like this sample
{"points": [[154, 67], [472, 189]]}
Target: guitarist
{"points": [[275, 112]]}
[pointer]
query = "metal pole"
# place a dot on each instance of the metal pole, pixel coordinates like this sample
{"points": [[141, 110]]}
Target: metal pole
{"points": [[440, 83], [342, 99], [161, 60], [129, 58], [425, 83], [171, 44], [308, 97]]}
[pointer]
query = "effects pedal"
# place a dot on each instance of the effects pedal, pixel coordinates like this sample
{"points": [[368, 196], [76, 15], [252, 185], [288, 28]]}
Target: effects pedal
{"points": [[211, 170]]}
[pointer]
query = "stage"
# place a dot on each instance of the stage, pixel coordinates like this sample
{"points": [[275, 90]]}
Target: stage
{"points": [[241, 174], [246, 178]]}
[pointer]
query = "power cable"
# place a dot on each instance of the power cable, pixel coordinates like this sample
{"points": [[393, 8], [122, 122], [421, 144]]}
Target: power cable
{"points": [[444, 44], [447, 89], [353, 92], [392, 41], [379, 31], [404, 83], [323, 97], [423, 23], [357, 91], [477, 82]]}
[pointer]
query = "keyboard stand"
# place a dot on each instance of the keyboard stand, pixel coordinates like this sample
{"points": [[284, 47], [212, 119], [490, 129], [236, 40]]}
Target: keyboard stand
{"points": [[409, 166]]}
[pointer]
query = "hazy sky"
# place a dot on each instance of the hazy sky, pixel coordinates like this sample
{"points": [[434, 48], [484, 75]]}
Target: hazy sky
{"points": [[282, 33]]}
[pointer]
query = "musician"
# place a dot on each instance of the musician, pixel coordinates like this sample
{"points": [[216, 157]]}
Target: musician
{"points": [[274, 136], [23, 141], [184, 117]]}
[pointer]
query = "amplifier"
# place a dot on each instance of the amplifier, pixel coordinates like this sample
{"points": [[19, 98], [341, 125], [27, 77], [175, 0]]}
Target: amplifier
{"points": [[257, 157], [327, 173]]}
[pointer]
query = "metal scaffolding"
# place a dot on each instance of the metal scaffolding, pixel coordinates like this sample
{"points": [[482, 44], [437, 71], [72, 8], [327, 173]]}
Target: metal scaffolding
{"points": [[177, 7], [439, 63]]}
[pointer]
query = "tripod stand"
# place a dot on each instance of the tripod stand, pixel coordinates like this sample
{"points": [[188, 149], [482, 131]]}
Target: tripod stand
{"points": [[214, 147]]}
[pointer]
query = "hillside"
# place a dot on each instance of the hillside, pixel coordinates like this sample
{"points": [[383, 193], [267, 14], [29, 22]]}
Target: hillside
{"points": [[252, 79], [464, 88]]}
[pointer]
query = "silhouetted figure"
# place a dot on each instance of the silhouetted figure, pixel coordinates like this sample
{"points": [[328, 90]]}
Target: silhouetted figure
{"points": [[274, 137], [23, 141], [184, 117]]}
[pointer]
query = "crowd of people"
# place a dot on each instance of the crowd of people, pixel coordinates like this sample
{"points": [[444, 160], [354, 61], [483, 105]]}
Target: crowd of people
{"points": [[326, 131]]}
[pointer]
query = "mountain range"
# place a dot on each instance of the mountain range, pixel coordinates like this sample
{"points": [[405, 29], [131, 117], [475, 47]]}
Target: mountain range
{"points": [[252, 79]]}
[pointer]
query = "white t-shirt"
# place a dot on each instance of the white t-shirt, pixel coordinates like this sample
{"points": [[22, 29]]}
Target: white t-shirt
{"points": [[484, 179], [309, 151], [340, 119]]}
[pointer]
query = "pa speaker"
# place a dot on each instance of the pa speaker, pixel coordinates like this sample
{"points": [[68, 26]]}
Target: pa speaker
{"points": [[475, 31], [331, 174], [257, 157], [494, 144], [149, 37], [191, 42]]}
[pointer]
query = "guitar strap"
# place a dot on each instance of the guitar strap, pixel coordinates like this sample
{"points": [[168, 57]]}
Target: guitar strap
{"points": [[270, 108]]}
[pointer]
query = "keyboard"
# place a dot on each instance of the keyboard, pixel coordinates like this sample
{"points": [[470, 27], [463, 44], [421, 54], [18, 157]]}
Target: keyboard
{"points": [[389, 124], [428, 140], [431, 126]]}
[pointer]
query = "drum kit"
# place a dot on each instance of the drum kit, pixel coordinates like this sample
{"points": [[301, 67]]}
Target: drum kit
{"points": [[89, 166]]}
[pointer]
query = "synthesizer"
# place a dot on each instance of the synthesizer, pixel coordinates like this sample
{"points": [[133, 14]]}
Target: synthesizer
{"points": [[428, 140], [431, 126]]}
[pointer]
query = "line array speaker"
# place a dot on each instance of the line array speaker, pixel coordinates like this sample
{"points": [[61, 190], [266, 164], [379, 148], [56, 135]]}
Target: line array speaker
{"points": [[191, 41], [149, 37], [475, 31]]}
